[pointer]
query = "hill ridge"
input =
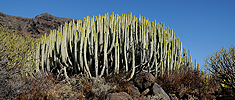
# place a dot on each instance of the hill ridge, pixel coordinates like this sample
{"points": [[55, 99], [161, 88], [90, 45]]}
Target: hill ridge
{"points": [[36, 27]]}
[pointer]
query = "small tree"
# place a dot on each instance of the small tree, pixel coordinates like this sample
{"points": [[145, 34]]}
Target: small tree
{"points": [[221, 65]]}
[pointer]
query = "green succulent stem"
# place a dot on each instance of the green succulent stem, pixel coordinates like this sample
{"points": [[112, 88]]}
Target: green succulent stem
{"points": [[110, 44]]}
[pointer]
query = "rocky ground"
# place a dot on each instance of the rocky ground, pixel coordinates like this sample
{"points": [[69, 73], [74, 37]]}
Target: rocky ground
{"points": [[142, 87]]}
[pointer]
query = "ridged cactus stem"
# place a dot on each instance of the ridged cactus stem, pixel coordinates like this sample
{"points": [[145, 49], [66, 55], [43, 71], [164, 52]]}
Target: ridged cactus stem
{"points": [[65, 73], [136, 27], [152, 42], [113, 41], [151, 51], [47, 57], [125, 56], [161, 55], [118, 40], [85, 58], [75, 53], [105, 62], [64, 50], [101, 33], [70, 37], [127, 40], [168, 63], [116, 56], [133, 61], [162, 68], [96, 54], [198, 68], [156, 66], [174, 63], [80, 50], [43, 56], [92, 40], [185, 57], [144, 48]]}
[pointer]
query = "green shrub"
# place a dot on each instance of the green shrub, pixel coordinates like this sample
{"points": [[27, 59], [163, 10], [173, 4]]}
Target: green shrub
{"points": [[15, 52], [221, 66]]}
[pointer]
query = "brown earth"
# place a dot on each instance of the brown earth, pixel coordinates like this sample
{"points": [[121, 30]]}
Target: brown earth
{"points": [[36, 27]]}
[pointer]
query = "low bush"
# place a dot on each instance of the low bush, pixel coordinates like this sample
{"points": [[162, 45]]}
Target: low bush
{"points": [[15, 52], [221, 66], [190, 82]]}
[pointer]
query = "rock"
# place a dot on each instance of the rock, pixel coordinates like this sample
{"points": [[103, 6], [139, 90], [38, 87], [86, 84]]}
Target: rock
{"points": [[118, 96], [145, 92], [158, 91], [134, 91], [143, 80], [173, 97], [189, 97], [92, 99], [143, 98], [58, 98], [78, 96], [182, 92], [36, 27]]}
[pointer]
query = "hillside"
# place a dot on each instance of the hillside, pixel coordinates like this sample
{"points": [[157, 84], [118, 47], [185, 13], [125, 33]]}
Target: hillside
{"points": [[36, 26]]}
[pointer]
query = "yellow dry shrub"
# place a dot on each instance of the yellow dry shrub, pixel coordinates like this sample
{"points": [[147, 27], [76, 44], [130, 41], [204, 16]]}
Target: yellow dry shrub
{"points": [[16, 52]]}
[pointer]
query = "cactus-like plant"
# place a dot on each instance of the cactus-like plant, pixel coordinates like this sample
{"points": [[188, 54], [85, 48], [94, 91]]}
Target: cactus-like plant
{"points": [[111, 44]]}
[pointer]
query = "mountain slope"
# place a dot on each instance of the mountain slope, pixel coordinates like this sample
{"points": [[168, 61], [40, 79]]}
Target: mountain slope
{"points": [[36, 26]]}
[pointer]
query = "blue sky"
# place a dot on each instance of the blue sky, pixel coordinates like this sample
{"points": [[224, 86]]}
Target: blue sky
{"points": [[203, 26]]}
